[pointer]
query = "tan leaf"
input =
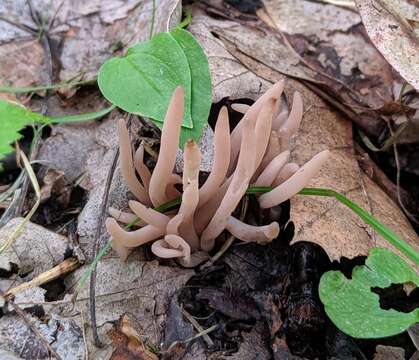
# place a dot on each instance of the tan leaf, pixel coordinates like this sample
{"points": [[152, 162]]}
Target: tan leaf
{"points": [[393, 27]]}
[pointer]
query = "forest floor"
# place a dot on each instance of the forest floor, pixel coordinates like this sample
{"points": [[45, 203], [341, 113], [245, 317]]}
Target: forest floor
{"points": [[254, 302]]}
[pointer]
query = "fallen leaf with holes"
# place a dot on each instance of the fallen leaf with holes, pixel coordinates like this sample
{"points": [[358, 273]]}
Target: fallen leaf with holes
{"points": [[393, 27], [128, 342], [321, 220]]}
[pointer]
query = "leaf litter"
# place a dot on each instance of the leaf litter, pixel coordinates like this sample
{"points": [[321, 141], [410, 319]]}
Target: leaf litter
{"points": [[140, 284]]}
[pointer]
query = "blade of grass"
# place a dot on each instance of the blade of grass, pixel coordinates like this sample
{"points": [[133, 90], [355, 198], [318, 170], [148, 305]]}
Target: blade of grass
{"points": [[187, 20], [21, 226], [92, 265], [10, 191], [383, 230], [153, 15]]}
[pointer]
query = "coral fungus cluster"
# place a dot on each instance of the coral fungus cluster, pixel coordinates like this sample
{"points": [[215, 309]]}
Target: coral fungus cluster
{"points": [[255, 153]]}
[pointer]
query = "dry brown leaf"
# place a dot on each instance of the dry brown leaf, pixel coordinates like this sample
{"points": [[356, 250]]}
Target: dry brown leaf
{"points": [[22, 63], [393, 27], [320, 220], [86, 33], [128, 343], [325, 221], [329, 37]]}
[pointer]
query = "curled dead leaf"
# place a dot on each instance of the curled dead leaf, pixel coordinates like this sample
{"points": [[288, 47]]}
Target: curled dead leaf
{"points": [[128, 343]]}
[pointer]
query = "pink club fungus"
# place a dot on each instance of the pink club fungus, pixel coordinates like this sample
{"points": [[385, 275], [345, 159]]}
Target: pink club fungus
{"points": [[256, 152]]}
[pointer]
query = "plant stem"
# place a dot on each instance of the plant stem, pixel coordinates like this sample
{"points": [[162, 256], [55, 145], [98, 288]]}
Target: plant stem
{"points": [[19, 90], [187, 20], [153, 15]]}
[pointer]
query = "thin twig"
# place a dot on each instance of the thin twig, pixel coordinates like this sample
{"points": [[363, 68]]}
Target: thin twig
{"points": [[31, 326], [92, 292], [92, 289], [399, 197], [67, 266], [198, 327], [346, 4], [20, 26]]}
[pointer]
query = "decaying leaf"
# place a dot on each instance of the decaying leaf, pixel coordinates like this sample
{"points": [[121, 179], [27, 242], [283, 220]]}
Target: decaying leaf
{"points": [[264, 52], [128, 343], [324, 221], [393, 28], [88, 166], [22, 63]]}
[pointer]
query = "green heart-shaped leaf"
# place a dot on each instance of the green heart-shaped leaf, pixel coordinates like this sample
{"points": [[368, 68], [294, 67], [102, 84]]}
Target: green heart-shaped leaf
{"points": [[355, 309], [143, 81]]}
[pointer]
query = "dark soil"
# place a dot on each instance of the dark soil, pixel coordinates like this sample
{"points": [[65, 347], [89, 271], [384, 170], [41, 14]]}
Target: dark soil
{"points": [[273, 289]]}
